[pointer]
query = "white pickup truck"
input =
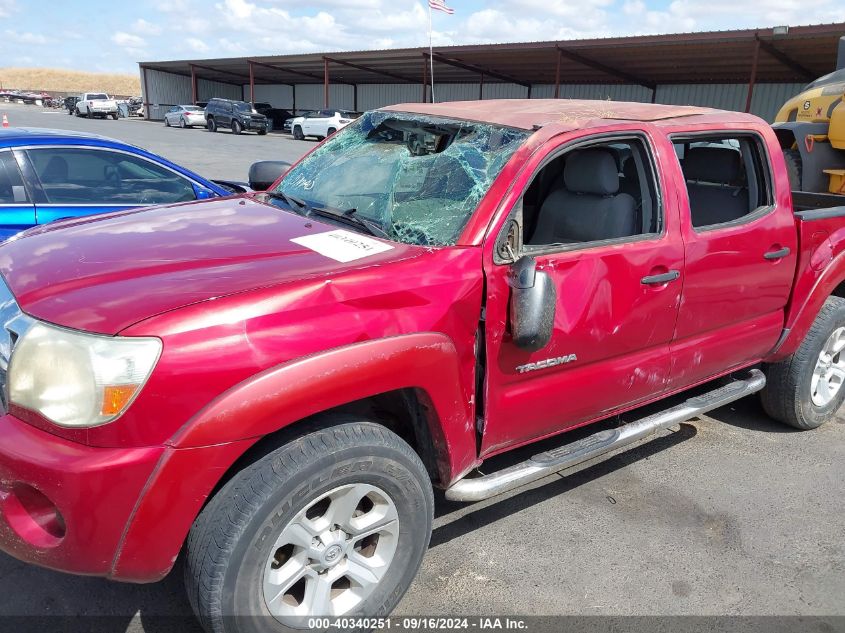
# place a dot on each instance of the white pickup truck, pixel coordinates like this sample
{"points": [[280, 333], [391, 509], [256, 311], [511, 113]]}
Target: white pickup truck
{"points": [[93, 104]]}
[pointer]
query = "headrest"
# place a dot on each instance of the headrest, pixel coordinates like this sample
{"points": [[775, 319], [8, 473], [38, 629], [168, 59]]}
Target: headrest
{"points": [[713, 164], [591, 171]]}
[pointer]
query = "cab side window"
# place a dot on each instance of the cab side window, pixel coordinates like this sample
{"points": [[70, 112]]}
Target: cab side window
{"points": [[727, 178], [603, 191]]}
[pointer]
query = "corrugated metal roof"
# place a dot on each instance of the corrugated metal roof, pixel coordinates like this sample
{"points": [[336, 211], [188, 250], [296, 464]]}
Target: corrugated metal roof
{"points": [[804, 53]]}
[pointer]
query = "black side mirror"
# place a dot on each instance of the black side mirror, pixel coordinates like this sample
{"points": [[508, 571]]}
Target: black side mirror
{"points": [[264, 173], [532, 309]]}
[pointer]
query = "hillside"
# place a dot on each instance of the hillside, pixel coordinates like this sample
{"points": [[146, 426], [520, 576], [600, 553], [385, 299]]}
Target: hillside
{"points": [[57, 80]]}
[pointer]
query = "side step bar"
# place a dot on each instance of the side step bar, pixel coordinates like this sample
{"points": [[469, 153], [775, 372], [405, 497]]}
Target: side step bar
{"points": [[569, 455]]}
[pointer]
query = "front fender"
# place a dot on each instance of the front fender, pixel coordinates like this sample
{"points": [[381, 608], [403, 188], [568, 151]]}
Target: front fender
{"points": [[295, 390], [205, 448]]}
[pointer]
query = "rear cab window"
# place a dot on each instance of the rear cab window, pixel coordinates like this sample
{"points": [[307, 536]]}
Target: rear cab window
{"points": [[727, 177]]}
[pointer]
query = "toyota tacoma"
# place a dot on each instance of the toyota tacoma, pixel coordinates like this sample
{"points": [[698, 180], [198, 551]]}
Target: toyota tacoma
{"points": [[272, 384]]}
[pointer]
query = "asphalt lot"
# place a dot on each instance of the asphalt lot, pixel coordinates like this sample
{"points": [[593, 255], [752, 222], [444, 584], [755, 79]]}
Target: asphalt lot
{"points": [[220, 155], [731, 514]]}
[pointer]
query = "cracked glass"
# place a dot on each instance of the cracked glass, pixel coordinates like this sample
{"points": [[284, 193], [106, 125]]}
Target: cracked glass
{"points": [[418, 177]]}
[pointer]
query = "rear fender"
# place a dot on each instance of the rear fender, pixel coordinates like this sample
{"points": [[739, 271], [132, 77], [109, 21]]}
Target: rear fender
{"points": [[821, 270]]}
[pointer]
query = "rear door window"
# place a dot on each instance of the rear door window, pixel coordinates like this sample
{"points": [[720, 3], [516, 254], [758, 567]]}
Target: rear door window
{"points": [[727, 178], [100, 176]]}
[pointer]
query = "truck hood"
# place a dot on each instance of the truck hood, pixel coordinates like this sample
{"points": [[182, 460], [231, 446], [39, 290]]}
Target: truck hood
{"points": [[105, 273]]}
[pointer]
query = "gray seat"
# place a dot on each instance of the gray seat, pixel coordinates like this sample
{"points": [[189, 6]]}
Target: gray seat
{"points": [[584, 204], [715, 184]]}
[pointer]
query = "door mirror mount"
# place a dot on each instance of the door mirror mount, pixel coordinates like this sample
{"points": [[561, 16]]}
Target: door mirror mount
{"points": [[532, 305]]}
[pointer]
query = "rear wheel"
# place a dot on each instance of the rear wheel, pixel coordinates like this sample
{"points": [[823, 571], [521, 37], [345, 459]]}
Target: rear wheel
{"points": [[297, 133], [333, 523], [806, 389], [794, 168], [182, 122], [114, 116]]}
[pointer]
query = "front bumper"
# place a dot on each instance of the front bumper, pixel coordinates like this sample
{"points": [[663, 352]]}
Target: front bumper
{"points": [[64, 505], [250, 124]]}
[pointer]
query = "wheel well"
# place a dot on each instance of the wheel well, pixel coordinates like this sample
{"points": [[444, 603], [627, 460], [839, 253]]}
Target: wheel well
{"points": [[407, 412], [839, 291]]}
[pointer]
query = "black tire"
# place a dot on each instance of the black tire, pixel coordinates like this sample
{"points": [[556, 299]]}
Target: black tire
{"points": [[787, 396], [331, 131], [166, 122], [236, 127], [182, 123], [297, 133], [794, 168], [232, 539], [262, 132], [211, 124], [114, 116]]}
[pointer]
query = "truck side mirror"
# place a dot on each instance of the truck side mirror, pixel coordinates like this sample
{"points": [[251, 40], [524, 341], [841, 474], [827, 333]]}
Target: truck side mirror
{"points": [[264, 173], [532, 308]]}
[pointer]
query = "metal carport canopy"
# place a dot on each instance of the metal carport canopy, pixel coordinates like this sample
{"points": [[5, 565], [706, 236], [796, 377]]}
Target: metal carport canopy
{"points": [[800, 55]]}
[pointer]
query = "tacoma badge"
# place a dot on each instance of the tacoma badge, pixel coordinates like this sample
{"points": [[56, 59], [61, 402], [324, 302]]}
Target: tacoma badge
{"points": [[549, 362]]}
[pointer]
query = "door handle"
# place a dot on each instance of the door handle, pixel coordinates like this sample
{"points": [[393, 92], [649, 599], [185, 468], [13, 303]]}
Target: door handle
{"points": [[777, 254], [664, 278]]}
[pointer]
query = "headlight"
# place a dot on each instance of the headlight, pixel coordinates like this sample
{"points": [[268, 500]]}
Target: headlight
{"points": [[79, 380]]}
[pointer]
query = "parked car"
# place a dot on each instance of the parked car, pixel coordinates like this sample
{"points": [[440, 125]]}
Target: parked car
{"points": [[96, 104], [287, 126], [184, 116], [69, 103], [136, 106], [277, 116], [322, 123], [272, 383], [235, 115], [46, 175]]}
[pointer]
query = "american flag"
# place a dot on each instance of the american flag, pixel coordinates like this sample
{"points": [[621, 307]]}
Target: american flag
{"points": [[440, 5]]}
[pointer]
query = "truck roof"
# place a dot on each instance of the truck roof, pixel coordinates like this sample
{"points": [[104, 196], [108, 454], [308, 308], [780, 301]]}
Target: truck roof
{"points": [[529, 113]]}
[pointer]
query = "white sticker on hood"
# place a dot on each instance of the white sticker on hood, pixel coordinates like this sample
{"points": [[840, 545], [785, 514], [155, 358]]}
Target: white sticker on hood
{"points": [[342, 246]]}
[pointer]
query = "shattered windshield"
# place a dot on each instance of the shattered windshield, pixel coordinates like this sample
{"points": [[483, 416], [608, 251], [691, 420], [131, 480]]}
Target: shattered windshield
{"points": [[418, 177]]}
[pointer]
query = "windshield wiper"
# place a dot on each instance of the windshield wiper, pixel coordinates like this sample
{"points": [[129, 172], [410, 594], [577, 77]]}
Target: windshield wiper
{"points": [[297, 205], [348, 216]]}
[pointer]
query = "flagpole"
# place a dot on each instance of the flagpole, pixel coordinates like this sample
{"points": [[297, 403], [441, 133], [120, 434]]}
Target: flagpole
{"points": [[430, 54]]}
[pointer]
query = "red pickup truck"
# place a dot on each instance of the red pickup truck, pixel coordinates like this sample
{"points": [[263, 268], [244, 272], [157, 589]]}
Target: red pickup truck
{"points": [[273, 383]]}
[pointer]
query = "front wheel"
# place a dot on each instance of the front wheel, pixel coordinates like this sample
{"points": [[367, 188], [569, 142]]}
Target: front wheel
{"points": [[297, 133], [211, 125], [236, 127], [166, 122], [806, 389], [333, 523]]}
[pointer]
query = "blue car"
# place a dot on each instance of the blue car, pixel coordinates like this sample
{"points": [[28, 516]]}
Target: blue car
{"points": [[47, 175]]}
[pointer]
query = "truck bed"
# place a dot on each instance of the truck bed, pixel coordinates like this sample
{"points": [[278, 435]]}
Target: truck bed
{"points": [[815, 206]]}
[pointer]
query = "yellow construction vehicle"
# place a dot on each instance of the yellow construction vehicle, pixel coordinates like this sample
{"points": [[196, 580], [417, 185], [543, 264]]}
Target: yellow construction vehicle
{"points": [[811, 129]]}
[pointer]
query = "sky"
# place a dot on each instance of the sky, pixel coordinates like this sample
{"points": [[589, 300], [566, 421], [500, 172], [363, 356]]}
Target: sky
{"points": [[109, 36]]}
